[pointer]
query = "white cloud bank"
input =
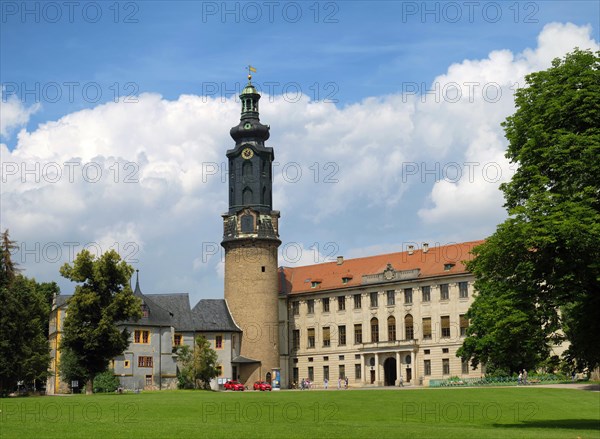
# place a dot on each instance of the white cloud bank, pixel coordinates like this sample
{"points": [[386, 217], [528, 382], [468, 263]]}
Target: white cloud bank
{"points": [[148, 178]]}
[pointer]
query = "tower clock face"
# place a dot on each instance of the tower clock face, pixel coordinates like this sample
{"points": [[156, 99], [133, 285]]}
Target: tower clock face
{"points": [[247, 153], [247, 126]]}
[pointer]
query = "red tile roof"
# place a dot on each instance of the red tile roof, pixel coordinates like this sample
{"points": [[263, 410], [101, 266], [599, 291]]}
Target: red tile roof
{"points": [[296, 280]]}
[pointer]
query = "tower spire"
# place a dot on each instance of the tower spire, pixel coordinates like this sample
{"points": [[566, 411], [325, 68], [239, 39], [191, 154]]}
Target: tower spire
{"points": [[137, 283]]}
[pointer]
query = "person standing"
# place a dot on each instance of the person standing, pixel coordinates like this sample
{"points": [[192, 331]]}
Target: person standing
{"points": [[346, 383], [524, 376], [325, 383], [520, 379], [401, 381]]}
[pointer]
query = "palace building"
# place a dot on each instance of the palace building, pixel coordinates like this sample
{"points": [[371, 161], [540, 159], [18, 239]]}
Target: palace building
{"points": [[382, 320]]}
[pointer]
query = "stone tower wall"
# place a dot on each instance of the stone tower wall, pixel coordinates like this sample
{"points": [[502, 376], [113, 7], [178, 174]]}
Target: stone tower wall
{"points": [[251, 289]]}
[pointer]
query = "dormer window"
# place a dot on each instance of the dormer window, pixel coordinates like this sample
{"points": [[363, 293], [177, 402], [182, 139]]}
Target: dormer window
{"points": [[145, 310], [448, 266], [346, 278], [314, 284]]}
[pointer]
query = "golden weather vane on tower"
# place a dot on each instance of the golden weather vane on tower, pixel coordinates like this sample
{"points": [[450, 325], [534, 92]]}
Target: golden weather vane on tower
{"points": [[250, 70]]}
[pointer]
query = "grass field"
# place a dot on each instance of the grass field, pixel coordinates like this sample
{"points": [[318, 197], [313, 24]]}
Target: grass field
{"points": [[445, 413]]}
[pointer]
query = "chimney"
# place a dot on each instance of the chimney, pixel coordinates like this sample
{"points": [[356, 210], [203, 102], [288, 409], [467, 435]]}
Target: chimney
{"points": [[340, 260], [425, 247], [411, 249]]}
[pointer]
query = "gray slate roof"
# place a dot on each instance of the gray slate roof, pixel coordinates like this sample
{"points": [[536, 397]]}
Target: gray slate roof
{"points": [[209, 315], [179, 305], [61, 299], [213, 315]]}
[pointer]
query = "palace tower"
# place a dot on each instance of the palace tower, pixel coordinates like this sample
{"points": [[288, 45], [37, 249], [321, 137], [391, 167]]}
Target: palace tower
{"points": [[251, 240]]}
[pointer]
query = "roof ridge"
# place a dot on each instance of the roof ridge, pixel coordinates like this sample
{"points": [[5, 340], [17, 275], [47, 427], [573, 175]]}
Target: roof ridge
{"points": [[382, 255]]}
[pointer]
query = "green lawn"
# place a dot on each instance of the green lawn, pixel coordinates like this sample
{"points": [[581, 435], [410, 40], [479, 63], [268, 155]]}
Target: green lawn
{"points": [[446, 413]]}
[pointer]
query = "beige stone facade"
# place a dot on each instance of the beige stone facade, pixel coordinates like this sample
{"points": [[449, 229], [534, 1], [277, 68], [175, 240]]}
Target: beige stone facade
{"points": [[384, 325]]}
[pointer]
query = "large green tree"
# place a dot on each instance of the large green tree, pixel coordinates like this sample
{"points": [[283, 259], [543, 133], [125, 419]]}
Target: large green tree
{"points": [[101, 300], [198, 366], [538, 275], [24, 314]]}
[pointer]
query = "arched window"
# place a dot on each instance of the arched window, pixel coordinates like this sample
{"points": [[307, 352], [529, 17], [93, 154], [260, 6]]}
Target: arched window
{"points": [[247, 196], [247, 169], [408, 327], [391, 322], [374, 330]]}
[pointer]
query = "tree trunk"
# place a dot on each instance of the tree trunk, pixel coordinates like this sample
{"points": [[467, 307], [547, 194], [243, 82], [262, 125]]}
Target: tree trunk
{"points": [[89, 386]]}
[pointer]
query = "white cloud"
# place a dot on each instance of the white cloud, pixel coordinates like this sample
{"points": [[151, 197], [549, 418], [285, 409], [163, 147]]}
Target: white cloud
{"points": [[14, 114], [341, 172]]}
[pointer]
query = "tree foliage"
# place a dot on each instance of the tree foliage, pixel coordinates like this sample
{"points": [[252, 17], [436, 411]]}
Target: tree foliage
{"points": [[198, 366], [103, 298], [538, 275], [24, 315]]}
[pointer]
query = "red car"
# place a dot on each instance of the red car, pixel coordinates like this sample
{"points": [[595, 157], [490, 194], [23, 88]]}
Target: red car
{"points": [[262, 386], [234, 385]]}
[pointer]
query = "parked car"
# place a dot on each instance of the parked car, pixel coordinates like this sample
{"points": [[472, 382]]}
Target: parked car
{"points": [[234, 385], [262, 386]]}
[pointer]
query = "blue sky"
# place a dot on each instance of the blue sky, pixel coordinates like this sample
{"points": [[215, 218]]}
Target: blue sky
{"points": [[388, 149]]}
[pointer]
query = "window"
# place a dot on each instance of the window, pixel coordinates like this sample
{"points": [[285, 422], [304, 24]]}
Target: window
{"points": [[341, 303], [140, 336], [177, 339], [127, 364], [391, 297], [311, 306], [463, 290], [444, 295], [144, 361], [374, 330], [220, 370], [342, 371], [373, 300], [315, 284], [446, 366], [357, 301], [427, 328], [445, 323], [296, 308], [311, 373], [341, 357], [391, 322], [408, 327], [464, 324], [357, 371], [326, 373], [426, 351], [219, 342], [325, 358], [408, 296], [464, 367], [145, 310], [325, 304], [445, 350], [311, 338], [296, 339], [426, 293], [448, 267], [148, 380], [345, 280], [342, 335], [326, 335], [427, 367], [358, 333], [310, 359]]}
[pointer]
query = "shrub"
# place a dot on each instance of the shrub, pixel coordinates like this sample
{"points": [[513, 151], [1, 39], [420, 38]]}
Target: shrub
{"points": [[106, 382]]}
